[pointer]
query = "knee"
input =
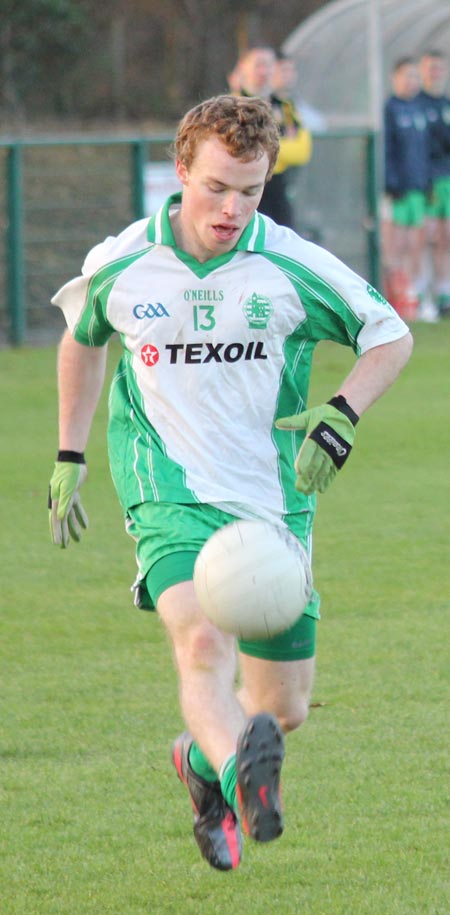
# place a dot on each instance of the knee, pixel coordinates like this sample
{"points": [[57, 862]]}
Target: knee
{"points": [[292, 716], [204, 646]]}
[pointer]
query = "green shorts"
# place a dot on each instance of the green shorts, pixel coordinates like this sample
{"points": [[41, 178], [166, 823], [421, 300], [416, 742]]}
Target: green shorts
{"points": [[439, 204], [410, 210], [168, 539]]}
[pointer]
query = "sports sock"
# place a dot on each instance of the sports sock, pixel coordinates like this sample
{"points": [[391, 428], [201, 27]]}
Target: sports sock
{"points": [[200, 764], [228, 780]]}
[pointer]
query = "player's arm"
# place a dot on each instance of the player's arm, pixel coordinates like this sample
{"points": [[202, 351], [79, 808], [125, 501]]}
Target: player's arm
{"points": [[374, 372], [81, 374], [330, 428]]}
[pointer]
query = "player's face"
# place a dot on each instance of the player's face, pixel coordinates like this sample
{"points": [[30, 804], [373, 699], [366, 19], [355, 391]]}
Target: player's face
{"points": [[406, 81], [257, 71], [434, 73], [220, 195], [285, 75]]}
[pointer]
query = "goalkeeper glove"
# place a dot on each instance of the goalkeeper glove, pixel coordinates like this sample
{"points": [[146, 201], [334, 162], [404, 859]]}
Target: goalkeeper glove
{"points": [[66, 513], [330, 433]]}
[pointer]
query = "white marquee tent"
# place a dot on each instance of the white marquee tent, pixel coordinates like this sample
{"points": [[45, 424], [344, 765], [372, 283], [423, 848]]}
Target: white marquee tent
{"points": [[345, 53]]}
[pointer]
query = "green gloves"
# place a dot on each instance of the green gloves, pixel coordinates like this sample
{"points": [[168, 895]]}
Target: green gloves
{"points": [[330, 433], [66, 513]]}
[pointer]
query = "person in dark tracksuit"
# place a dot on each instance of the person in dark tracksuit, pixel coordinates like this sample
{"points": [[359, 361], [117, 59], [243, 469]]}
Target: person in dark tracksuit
{"points": [[407, 181], [436, 103]]}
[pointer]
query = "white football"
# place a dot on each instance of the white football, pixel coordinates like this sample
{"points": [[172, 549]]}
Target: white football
{"points": [[253, 579]]}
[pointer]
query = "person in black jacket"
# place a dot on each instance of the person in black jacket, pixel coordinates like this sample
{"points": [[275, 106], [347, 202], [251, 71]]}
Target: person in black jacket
{"points": [[254, 76], [434, 75], [407, 183]]}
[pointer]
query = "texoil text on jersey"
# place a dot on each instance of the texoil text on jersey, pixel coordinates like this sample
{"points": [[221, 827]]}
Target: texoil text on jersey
{"points": [[192, 353]]}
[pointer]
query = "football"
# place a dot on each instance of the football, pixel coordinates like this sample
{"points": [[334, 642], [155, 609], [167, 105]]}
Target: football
{"points": [[253, 579]]}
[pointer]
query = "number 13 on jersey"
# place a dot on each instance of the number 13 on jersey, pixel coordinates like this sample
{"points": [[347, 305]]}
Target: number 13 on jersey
{"points": [[203, 317]]}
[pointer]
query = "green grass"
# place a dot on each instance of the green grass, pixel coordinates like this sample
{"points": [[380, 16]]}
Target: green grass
{"points": [[94, 822]]}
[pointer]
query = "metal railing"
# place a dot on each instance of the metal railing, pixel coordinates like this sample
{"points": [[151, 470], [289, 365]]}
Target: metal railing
{"points": [[51, 203], [62, 196]]}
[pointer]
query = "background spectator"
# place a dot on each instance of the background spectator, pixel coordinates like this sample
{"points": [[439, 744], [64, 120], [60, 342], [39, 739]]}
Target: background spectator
{"points": [[407, 182], [256, 71], [434, 76]]}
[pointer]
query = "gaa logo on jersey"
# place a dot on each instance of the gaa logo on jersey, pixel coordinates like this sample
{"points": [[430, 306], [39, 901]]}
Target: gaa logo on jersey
{"points": [[149, 354], [150, 311], [258, 310]]}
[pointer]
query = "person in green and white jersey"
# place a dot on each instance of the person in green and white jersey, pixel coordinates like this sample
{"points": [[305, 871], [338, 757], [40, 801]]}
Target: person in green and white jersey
{"points": [[435, 99], [219, 311]]}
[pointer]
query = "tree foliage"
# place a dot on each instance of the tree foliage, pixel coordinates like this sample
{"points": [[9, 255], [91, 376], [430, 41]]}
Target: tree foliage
{"points": [[128, 59], [40, 41]]}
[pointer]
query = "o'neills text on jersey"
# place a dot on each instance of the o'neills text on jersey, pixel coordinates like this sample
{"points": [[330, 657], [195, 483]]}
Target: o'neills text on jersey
{"points": [[203, 295]]}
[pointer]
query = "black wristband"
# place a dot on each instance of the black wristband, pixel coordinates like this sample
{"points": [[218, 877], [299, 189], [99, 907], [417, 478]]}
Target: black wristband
{"points": [[72, 457], [341, 404]]}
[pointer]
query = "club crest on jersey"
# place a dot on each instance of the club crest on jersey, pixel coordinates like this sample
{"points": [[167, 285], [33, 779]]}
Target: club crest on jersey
{"points": [[377, 296], [258, 310]]}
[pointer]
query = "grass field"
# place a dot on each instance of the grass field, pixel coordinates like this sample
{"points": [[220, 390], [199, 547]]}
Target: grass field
{"points": [[94, 821]]}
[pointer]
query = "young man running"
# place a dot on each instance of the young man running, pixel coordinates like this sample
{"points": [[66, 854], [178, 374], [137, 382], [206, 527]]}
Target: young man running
{"points": [[218, 310]]}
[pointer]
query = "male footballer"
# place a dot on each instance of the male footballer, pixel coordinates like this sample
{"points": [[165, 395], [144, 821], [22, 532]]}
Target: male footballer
{"points": [[219, 310], [434, 72]]}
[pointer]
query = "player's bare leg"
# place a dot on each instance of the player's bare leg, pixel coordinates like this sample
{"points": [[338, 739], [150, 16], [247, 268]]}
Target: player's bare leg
{"points": [[282, 688], [279, 691], [399, 247], [247, 753], [415, 254], [404, 268], [206, 660], [441, 260]]}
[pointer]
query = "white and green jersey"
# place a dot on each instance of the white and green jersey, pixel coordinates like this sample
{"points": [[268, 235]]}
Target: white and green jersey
{"points": [[213, 354]]}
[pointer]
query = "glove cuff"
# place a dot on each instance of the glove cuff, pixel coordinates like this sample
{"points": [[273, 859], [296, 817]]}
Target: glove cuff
{"points": [[340, 403], [71, 457]]}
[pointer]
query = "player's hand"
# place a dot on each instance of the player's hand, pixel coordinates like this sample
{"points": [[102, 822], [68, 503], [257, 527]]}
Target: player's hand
{"points": [[330, 433], [67, 516]]}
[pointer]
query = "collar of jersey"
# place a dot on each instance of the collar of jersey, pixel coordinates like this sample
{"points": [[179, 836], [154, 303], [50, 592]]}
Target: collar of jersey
{"points": [[160, 232]]}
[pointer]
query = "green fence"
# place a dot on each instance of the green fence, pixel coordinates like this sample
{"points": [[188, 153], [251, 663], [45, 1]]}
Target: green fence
{"points": [[61, 197]]}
